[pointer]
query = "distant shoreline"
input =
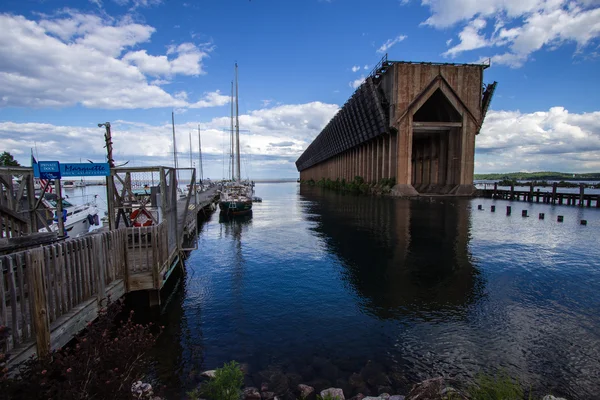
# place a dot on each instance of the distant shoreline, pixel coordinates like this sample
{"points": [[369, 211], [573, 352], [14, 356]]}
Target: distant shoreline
{"points": [[543, 175]]}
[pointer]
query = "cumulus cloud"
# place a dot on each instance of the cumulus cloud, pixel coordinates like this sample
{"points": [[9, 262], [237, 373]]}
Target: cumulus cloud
{"points": [[276, 136], [541, 141], [75, 58], [521, 27], [470, 38], [355, 68], [186, 60], [390, 42], [357, 82]]}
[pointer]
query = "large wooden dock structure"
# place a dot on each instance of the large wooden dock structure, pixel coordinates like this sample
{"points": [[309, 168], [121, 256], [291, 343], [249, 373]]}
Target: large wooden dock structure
{"points": [[412, 122], [48, 293], [554, 196]]}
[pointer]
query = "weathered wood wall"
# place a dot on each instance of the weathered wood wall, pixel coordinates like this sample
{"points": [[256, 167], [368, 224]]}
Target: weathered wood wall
{"points": [[48, 294]]}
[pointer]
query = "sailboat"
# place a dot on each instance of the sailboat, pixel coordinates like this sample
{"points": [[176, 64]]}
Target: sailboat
{"points": [[236, 196]]}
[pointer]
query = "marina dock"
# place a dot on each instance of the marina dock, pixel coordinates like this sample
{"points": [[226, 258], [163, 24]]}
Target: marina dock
{"points": [[50, 293], [580, 199]]}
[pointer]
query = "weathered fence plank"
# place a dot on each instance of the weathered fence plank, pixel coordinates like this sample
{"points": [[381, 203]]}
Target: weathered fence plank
{"points": [[40, 304]]}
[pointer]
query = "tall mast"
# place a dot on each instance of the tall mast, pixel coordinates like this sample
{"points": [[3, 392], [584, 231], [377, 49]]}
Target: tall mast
{"points": [[237, 126], [200, 170], [191, 164], [174, 143], [231, 137]]}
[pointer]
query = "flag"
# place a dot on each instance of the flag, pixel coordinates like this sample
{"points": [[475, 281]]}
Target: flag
{"points": [[43, 182]]}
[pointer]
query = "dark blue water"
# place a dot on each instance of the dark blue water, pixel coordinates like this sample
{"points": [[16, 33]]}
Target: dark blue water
{"points": [[315, 284]]}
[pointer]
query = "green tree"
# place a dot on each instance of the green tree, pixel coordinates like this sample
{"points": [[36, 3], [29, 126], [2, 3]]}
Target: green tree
{"points": [[7, 160]]}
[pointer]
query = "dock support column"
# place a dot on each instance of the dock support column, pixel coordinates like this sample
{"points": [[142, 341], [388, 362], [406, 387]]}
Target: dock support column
{"points": [[373, 164], [363, 162], [384, 157], [433, 178], [530, 199], [581, 193], [377, 165], [389, 156]]}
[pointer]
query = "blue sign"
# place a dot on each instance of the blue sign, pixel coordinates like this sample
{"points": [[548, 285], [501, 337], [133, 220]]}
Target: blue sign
{"points": [[49, 169], [85, 169]]}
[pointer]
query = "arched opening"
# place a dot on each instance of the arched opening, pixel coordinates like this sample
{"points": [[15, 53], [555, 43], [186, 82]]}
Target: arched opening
{"points": [[436, 129]]}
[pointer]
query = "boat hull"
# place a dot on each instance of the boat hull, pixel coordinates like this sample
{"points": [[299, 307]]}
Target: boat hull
{"points": [[235, 207]]}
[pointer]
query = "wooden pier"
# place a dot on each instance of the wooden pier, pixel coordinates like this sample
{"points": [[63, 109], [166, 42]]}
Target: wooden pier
{"points": [[580, 199], [49, 293]]}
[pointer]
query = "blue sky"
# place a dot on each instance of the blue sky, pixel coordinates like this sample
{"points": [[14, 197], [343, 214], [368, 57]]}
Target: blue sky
{"points": [[67, 65]]}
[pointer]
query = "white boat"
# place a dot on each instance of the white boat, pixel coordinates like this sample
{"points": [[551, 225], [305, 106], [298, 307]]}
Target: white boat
{"points": [[78, 219], [68, 184]]}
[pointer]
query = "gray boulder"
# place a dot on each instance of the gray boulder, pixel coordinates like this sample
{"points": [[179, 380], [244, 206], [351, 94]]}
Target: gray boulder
{"points": [[433, 389], [333, 393], [306, 391], [251, 393]]}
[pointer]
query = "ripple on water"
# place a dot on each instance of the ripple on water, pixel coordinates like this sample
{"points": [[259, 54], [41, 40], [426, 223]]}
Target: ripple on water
{"points": [[424, 288]]}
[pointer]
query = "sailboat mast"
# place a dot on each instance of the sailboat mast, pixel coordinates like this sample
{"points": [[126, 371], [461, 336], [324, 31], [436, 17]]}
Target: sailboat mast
{"points": [[191, 163], [237, 125], [174, 144], [231, 137], [200, 170]]}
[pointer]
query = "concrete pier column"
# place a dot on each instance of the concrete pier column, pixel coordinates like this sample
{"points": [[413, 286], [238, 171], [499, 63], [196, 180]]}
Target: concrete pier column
{"points": [[372, 162], [394, 155], [433, 177], [450, 166], [443, 158], [377, 165], [426, 165], [355, 162], [368, 158], [363, 171]]}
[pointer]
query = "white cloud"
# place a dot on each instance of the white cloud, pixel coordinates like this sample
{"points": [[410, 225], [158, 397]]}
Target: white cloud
{"points": [[470, 38], [271, 136], [357, 82], [355, 68], [187, 62], [366, 67], [534, 25], [390, 42], [76, 58], [541, 141], [138, 3], [211, 99]]}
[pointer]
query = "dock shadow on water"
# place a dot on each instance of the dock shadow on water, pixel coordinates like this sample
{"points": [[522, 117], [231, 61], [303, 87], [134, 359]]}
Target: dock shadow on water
{"points": [[371, 294]]}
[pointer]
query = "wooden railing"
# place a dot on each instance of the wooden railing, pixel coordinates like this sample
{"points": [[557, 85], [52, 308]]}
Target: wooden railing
{"points": [[147, 248], [11, 224], [43, 289]]}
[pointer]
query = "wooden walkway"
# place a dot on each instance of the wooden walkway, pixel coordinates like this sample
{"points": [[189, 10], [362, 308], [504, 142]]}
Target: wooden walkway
{"points": [[580, 199], [48, 294]]}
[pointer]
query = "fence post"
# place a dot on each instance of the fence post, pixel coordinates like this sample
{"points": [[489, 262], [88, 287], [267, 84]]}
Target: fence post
{"points": [[100, 268], [40, 303]]}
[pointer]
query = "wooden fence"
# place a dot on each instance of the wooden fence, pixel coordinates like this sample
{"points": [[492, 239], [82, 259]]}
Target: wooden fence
{"points": [[48, 294]]}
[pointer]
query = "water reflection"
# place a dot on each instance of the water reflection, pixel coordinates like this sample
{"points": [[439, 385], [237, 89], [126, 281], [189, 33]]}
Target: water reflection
{"points": [[315, 284], [399, 256]]}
